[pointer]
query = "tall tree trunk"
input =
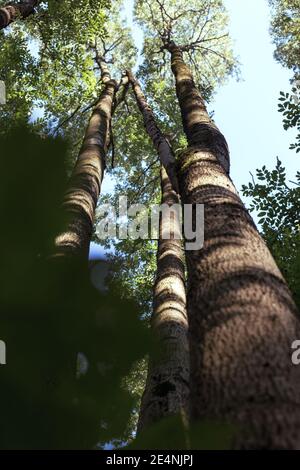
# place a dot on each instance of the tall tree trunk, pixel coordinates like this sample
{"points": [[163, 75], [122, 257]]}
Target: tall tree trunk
{"points": [[167, 387], [242, 318], [84, 187], [14, 10], [160, 142]]}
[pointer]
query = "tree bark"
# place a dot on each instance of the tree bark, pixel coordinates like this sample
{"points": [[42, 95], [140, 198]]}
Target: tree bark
{"points": [[14, 10], [167, 387], [160, 142], [84, 186], [242, 318]]}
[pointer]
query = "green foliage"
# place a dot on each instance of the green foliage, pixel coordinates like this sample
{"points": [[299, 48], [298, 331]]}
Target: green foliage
{"points": [[277, 203], [64, 80], [18, 71], [289, 106], [199, 28], [278, 209], [285, 29], [67, 19], [45, 65], [135, 383]]}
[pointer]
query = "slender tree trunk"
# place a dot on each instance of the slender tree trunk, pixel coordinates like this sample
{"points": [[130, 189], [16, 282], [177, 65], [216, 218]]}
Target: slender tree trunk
{"points": [[160, 142], [84, 187], [167, 387], [242, 318], [14, 10]]}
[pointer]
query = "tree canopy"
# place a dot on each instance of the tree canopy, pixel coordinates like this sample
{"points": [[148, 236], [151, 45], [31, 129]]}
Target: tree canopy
{"points": [[285, 29]]}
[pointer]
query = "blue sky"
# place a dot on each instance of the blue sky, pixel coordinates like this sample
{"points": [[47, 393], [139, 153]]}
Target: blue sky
{"points": [[246, 111]]}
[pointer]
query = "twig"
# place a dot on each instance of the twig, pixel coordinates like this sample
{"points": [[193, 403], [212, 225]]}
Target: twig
{"points": [[252, 177]]}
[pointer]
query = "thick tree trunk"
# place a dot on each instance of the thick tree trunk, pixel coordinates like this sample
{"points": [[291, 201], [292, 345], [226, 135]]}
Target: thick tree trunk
{"points": [[84, 187], [160, 142], [167, 388], [242, 318], [15, 10]]}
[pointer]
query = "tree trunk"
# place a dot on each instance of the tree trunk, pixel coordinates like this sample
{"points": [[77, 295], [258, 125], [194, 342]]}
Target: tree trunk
{"points": [[242, 318], [160, 142], [84, 187], [14, 10], [167, 388]]}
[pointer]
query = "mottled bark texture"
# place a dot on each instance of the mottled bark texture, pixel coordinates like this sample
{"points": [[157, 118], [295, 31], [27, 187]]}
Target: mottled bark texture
{"points": [[84, 187], [14, 10], [167, 388], [242, 319], [160, 142]]}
